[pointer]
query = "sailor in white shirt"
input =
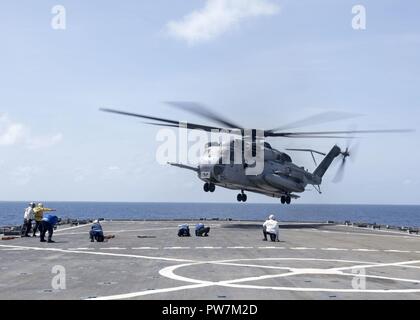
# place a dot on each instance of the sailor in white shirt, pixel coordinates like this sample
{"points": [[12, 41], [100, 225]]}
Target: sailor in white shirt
{"points": [[271, 227], [27, 219]]}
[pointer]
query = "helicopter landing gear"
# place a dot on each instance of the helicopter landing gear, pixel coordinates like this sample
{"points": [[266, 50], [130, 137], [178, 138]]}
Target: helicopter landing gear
{"points": [[212, 187], [209, 187], [286, 200], [242, 197]]}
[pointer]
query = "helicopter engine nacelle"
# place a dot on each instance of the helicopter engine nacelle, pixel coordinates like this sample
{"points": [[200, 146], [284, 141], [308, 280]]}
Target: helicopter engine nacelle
{"points": [[284, 182]]}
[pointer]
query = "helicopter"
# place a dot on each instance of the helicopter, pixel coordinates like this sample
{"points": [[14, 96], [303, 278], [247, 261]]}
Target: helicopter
{"points": [[279, 176]]}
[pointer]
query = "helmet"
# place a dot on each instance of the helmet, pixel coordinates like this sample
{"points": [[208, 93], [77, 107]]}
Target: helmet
{"points": [[96, 221], [40, 205], [272, 217], [32, 204]]}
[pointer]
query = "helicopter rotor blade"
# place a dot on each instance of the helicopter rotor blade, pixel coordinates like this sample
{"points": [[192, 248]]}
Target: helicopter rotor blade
{"points": [[349, 152], [167, 122], [229, 127], [315, 137], [321, 133], [201, 110], [192, 127], [320, 118], [340, 172]]}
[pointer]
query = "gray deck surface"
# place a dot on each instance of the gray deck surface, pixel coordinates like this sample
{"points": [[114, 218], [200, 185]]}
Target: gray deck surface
{"points": [[311, 262]]}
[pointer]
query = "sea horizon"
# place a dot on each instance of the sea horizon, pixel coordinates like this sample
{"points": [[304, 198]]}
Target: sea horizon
{"points": [[11, 212]]}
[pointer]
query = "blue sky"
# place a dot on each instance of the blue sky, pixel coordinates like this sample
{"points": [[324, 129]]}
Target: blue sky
{"points": [[262, 62]]}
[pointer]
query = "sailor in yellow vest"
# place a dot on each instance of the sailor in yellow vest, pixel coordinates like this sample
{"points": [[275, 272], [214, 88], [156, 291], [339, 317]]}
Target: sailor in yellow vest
{"points": [[39, 214]]}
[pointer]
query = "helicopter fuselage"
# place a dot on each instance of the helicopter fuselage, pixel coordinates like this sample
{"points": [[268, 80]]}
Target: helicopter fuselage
{"points": [[280, 177]]}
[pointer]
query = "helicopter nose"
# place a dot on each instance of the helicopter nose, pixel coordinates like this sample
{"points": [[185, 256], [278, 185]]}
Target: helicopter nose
{"points": [[205, 171], [210, 171]]}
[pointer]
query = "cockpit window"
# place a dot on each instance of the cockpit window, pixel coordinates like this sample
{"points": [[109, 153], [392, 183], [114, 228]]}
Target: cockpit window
{"points": [[283, 158], [286, 158]]}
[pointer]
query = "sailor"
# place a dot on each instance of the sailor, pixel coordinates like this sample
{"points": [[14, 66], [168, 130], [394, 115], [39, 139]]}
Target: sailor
{"points": [[271, 227], [47, 224], [39, 214], [184, 230], [201, 230], [96, 232], [27, 220]]}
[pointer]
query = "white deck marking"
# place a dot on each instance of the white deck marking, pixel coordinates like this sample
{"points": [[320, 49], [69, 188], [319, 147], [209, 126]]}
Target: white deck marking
{"points": [[169, 272], [378, 265], [248, 248], [100, 253], [413, 267], [288, 259], [382, 277], [251, 265], [295, 289], [71, 228], [235, 247], [149, 292], [120, 231]]}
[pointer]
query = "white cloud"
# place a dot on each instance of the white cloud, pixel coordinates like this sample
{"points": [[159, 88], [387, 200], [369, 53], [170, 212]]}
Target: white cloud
{"points": [[217, 17], [13, 133]]}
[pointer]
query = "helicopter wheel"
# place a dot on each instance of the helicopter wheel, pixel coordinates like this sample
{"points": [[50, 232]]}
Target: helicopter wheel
{"points": [[288, 200], [206, 187], [212, 187], [244, 197], [283, 200]]}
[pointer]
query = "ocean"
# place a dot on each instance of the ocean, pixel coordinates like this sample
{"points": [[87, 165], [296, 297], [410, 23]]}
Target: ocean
{"points": [[11, 213]]}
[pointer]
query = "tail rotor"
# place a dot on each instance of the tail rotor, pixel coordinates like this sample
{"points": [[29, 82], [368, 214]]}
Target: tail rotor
{"points": [[349, 152]]}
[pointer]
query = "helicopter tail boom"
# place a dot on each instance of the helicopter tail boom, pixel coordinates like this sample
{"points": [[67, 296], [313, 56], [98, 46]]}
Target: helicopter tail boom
{"points": [[325, 164]]}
